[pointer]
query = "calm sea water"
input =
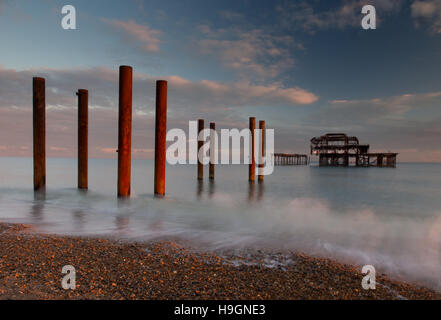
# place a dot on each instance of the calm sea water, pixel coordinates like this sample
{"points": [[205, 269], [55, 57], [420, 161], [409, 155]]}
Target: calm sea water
{"points": [[390, 218]]}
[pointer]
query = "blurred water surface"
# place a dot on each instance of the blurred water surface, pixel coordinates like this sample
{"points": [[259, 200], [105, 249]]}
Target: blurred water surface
{"points": [[390, 218]]}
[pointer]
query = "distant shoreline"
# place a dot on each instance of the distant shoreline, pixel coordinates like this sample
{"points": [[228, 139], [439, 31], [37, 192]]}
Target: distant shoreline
{"points": [[31, 264]]}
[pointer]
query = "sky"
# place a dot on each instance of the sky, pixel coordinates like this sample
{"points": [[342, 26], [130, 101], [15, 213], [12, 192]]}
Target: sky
{"points": [[306, 67]]}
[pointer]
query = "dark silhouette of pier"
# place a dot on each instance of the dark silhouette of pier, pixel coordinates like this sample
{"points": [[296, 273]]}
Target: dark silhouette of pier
{"points": [[341, 150]]}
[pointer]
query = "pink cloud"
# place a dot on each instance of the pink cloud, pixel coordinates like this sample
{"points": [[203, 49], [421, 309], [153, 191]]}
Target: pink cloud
{"points": [[245, 92], [147, 38], [252, 53], [428, 11], [188, 100]]}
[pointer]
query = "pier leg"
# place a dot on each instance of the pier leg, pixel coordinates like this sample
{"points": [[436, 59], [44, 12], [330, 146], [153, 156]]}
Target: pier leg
{"points": [[200, 144], [83, 120], [262, 142], [124, 130], [39, 132], [212, 151], [252, 165], [160, 136], [379, 161]]}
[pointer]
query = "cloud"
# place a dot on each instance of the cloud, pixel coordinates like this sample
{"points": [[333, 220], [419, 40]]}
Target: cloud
{"points": [[140, 5], [240, 93], [427, 11], [3, 4], [389, 108], [252, 52], [230, 15], [304, 16], [408, 122], [144, 37], [15, 89], [187, 100]]}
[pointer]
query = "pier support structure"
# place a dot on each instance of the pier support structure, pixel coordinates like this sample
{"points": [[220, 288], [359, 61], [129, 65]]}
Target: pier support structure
{"points": [[213, 150], [341, 150], [160, 136], [83, 120], [39, 132], [284, 159], [125, 130], [252, 165], [262, 150], [200, 144]]}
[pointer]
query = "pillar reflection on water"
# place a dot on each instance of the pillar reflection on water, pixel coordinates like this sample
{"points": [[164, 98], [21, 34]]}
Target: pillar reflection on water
{"points": [[122, 220], [79, 219], [200, 189], [260, 190], [251, 187], [37, 207], [211, 188], [252, 191]]}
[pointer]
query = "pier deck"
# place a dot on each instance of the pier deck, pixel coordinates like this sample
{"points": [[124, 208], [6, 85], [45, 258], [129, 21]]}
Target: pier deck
{"points": [[341, 150]]}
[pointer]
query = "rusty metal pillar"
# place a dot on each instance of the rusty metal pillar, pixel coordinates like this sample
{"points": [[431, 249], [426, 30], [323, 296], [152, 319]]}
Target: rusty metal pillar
{"points": [[160, 136], [124, 130], [262, 142], [252, 165], [212, 151], [39, 132], [83, 119], [379, 161], [200, 144]]}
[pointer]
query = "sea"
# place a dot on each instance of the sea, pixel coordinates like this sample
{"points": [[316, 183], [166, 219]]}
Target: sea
{"points": [[389, 218]]}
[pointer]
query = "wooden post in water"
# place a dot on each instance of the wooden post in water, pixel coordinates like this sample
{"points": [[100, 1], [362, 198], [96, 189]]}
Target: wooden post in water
{"points": [[124, 130], [200, 144], [160, 136], [212, 149], [83, 97], [252, 165], [262, 143], [39, 132]]}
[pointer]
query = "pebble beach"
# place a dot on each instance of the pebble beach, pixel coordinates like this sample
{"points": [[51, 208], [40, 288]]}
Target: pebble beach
{"points": [[31, 264]]}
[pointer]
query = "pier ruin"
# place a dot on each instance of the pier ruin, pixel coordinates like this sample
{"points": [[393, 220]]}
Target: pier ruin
{"points": [[287, 159], [341, 150]]}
